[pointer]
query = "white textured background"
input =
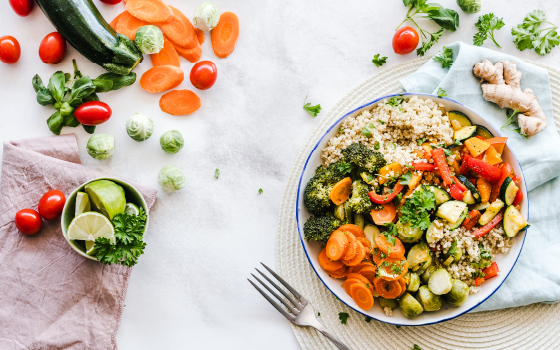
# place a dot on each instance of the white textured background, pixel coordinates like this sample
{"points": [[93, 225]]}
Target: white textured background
{"points": [[189, 289]]}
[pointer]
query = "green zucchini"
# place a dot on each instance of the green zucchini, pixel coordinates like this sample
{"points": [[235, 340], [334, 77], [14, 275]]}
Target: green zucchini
{"points": [[468, 197], [508, 191], [464, 133], [472, 188], [513, 221], [490, 212], [456, 224], [441, 195], [460, 117], [481, 207], [81, 24], [451, 211], [482, 131]]}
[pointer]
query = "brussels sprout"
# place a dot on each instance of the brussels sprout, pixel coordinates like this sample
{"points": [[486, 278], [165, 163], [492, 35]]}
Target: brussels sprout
{"points": [[139, 127], [410, 307], [425, 266], [418, 256], [426, 275], [206, 16], [101, 146], [171, 141], [458, 294], [149, 39], [407, 234], [440, 282], [339, 212], [470, 6], [359, 220], [171, 178], [412, 281], [428, 300], [390, 303]]}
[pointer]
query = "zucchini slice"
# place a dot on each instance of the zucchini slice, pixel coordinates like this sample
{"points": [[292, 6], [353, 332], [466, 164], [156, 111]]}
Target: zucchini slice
{"points": [[490, 212], [456, 224], [513, 221], [472, 188], [468, 197], [441, 195], [430, 233], [464, 133], [451, 210], [482, 131], [508, 191], [481, 207], [460, 117]]}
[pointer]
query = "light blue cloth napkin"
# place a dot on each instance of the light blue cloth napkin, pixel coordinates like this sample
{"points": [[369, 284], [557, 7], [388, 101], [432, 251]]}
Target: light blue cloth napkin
{"points": [[536, 276]]}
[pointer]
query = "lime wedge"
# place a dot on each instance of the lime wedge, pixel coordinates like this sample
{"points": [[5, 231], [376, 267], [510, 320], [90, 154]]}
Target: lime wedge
{"points": [[107, 197], [89, 248], [131, 209], [89, 226], [82, 203]]}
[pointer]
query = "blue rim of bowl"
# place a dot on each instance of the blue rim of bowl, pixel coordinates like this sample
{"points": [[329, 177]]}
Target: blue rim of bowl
{"points": [[302, 239]]}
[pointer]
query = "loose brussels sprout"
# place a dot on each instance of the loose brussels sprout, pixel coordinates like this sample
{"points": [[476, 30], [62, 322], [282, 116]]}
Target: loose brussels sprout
{"points": [[206, 16], [407, 234], [458, 294], [425, 266], [412, 281], [470, 6], [440, 282], [171, 178], [149, 39], [140, 127], [101, 146], [339, 212], [426, 275], [418, 256], [171, 141], [390, 303], [410, 307], [428, 300]]}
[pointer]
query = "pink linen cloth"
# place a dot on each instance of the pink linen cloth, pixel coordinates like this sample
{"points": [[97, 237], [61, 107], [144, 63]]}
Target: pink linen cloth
{"points": [[50, 296]]}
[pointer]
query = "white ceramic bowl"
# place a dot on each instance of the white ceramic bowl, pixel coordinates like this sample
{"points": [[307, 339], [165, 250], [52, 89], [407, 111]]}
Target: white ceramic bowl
{"points": [[489, 287]]}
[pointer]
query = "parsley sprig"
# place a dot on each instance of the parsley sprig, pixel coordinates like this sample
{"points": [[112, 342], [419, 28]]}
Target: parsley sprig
{"points": [[343, 317], [441, 92], [391, 233], [445, 57], [379, 61], [486, 25], [416, 209], [512, 120], [529, 35], [312, 110]]}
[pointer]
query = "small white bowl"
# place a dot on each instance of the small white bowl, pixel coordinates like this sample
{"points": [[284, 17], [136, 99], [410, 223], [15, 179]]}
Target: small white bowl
{"points": [[447, 312]]}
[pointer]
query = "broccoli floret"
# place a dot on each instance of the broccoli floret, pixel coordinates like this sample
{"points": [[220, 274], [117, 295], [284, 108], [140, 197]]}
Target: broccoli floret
{"points": [[360, 202], [319, 228], [317, 194], [363, 157]]}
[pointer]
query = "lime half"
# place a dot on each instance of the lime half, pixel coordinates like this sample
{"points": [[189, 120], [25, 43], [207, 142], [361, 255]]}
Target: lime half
{"points": [[131, 209], [107, 197], [89, 248], [89, 226], [82, 203]]}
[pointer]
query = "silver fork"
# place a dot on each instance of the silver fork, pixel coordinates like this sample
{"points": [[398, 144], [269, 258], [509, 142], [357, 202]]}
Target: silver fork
{"points": [[300, 313]]}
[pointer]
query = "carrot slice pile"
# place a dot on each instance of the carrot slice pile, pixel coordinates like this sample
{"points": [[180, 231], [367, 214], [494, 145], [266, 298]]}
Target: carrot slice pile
{"points": [[328, 264], [336, 245], [392, 251], [161, 78], [356, 230], [180, 31], [225, 34], [128, 25], [167, 55], [179, 102], [151, 11]]}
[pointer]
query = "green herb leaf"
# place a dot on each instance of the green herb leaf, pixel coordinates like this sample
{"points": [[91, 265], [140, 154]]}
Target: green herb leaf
{"points": [[448, 19], [426, 45], [343, 317], [395, 101], [441, 92], [419, 142], [90, 129], [379, 61], [405, 178], [486, 25], [260, 191], [367, 130], [55, 123], [81, 88], [416, 209], [44, 96], [56, 86], [445, 57], [391, 233], [312, 110], [529, 34], [102, 85], [344, 167], [118, 81], [368, 319], [416, 347], [217, 173], [376, 146]]}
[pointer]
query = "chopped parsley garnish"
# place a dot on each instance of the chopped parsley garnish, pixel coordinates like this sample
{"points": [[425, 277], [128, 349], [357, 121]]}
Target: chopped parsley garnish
{"points": [[416, 209], [368, 319], [395, 101], [486, 25], [453, 247], [416, 347], [441, 92], [484, 254], [405, 178], [344, 168], [260, 191], [312, 110], [419, 142], [217, 173], [381, 121], [319, 314], [390, 233], [343, 317], [376, 146], [367, 130], [396, 268], [445, 57], [379, 61], [478, 274], [340, 129]]}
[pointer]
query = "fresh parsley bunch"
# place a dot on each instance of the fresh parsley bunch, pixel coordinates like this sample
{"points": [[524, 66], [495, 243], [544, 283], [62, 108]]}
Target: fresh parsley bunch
{"points": [[530, 35], [416, 209], [445, 57]]}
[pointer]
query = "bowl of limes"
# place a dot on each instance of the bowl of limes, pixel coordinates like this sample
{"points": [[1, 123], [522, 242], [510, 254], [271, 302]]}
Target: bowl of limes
{"points": [[103, 214]]}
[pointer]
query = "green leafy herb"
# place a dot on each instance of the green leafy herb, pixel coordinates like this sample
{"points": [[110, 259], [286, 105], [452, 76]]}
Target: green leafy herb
{"points": [[445, 57], [398, 327], [344, 167], [530, 35], [453, 247], [486, 25], [340, 129], [129, 230], [484, 254], [319, 314], [441, 92], [312, 110], [416, 209], [419, 142], [260, 191], [376, 146], [391, 233], [405, 178], [416, 347], [512, 120], [217, 173], [367, 130], [368, 319], [379, 61], [343, 317], [395, 101]]}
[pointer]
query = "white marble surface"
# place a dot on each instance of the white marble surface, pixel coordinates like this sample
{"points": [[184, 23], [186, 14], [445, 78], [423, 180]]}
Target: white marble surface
{"points": [[189, 289]]}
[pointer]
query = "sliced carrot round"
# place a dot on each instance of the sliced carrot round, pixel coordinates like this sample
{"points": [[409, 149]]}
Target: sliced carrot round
{"points": [[385, 215], [360, 256], [362, 296], [151, 11], [337, 245], [352, 249], [340, 273], [328, 264], [348, 283], [393, 251], [225, 34], [355, 268], [128, 25], [368, 271], [199, 35], [377, 255], [179, 102], [161, 78], [180, 30], [402, 282], [115, 20], [358, 277], [387, 289], [393, 269], [166, 56], [192, 55], [356, 230], [341, 191]]}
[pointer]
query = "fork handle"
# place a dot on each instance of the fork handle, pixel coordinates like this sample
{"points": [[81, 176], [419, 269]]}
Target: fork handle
{"points": [[332, 338]]}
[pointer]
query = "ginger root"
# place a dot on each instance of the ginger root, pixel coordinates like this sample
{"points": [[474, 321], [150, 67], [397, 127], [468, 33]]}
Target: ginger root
{"points": [[501, 86]]}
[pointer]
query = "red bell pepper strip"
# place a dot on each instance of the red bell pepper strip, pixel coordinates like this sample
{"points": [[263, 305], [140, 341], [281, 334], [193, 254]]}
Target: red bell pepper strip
{"points": [[423, 166], [517, 180], [456, 192], [385, 198], [491, 271], [478, 281], [441, 163], [471, 219], [487, 171], [518, 198], [464, 169], [506, 171], [489, 226], [460, 184]]}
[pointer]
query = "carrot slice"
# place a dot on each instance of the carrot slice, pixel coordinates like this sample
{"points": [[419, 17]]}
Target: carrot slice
{"points": [[192, 55], [392, 251], [180, 31], [393, 268], [387, 289], [368, 271], [385, 215], [337, 245], [328, 264], [160, 78], [199, 35], [355, 268], [402, 282], [341, 191], [359, 277], [352, 249], [151, 11], [356, 230], [179, 102], [362, 296], [114, 22], [349, 282], [341, 273], [167, 56], [128, 25], [225, 34], [377, 255], [360, 256]]}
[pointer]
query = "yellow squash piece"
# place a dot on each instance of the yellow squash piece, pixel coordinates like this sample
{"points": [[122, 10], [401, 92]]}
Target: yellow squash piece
{"points": [[491, 156], [385, 172], [476, 146]]}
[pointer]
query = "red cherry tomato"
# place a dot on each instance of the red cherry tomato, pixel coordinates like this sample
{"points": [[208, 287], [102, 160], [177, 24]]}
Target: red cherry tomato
{"points": [[22, 7], [111, 2], [28, 221], [53, 48], [93, 113], [203, 75], [51, 205], [9, 49], [405, 40]]}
